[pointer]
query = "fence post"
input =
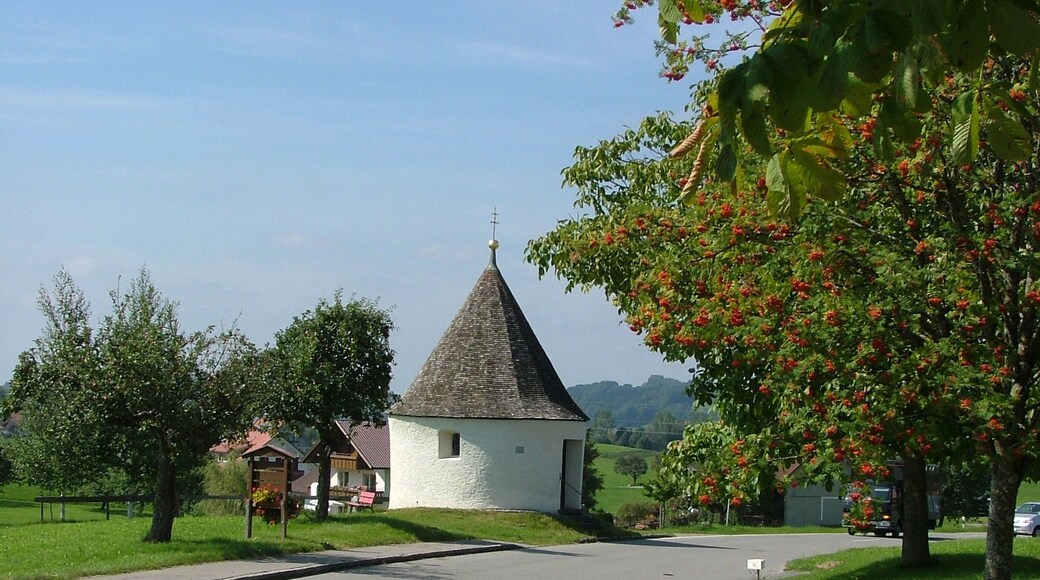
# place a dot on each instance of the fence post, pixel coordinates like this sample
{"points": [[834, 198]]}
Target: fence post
{"points": [[130, 509], [62, 512]]}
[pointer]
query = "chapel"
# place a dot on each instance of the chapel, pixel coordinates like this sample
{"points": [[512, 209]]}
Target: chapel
{"points": [[487, 423]]}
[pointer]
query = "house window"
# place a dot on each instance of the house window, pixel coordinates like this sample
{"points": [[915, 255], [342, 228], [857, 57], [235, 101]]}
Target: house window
{"points": [[449, 444], [369, 481], [519, 449]]}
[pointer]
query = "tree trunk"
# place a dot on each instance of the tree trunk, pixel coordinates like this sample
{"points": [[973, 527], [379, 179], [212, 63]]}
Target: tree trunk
{"points": [[914, 523], [321, 511], [165, 501], [1000, 533]]}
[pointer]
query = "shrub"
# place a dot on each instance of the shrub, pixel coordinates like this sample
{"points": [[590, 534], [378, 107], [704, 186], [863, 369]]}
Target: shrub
{"points": [[223, 479], [631, 513]]}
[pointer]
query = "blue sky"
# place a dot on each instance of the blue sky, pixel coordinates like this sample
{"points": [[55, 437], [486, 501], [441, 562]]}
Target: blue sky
{"points": [[256, 156]]}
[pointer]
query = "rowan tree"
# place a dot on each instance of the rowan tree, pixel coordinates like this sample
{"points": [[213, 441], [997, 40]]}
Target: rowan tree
{"points": [[811, 57], [900, 321], [331, 363], [900, 73]]}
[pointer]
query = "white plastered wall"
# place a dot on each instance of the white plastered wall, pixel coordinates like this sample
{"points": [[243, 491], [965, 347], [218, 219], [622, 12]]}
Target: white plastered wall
{"points": [[490, 471]]}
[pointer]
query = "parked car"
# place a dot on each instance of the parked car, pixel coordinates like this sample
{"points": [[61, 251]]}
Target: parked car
{"points": [[1027, 519]]}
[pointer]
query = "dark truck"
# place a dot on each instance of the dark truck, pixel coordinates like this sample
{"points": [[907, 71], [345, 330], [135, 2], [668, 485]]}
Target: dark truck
{"points": [[887, 502]]}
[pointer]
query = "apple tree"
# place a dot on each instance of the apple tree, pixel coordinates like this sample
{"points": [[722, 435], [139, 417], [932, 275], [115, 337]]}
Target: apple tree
{"points": [[137, 394], [331, 363]]}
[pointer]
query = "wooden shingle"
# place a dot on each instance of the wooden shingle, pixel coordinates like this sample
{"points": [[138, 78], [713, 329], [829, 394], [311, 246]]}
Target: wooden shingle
{"points": [[489, 365]]}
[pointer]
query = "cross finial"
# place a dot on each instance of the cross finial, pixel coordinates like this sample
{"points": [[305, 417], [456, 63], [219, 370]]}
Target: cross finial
{"points": [[493, 243]]}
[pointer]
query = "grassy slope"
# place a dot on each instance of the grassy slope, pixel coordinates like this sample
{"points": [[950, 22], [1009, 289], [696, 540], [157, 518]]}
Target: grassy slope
{"points": [[616, 487]]}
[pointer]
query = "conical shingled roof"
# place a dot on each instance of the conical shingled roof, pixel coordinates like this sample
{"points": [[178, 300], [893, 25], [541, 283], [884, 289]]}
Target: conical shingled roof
{"points": [[489, 365]]}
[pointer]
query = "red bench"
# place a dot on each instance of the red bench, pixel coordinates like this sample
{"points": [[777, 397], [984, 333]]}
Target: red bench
{"points": [[364, 500]]}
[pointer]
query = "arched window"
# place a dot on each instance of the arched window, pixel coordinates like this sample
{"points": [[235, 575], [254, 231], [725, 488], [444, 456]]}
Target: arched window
{"points": [[450, 444]]}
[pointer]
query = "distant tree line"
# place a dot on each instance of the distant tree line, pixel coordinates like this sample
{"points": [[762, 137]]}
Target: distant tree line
{"points": [[662, 429]]}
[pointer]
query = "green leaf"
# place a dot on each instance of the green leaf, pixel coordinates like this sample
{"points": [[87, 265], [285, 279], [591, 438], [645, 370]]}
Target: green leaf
{"points": [[695, 11], [965, 144], [790, 89], [867, 66], [731, 95], [812, 176], [669, 11], [831, 80], [726, 162], [907, 80], [927, 17], [753, 125], [759, 77], [885, 32], [1016, 29], [967, 40], [1008, 138], [669, 30], [903, 123], [1034, 74], [859, 98], [778, 193]]}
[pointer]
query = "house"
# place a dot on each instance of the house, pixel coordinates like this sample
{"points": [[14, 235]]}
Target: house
{"points": [[487, 423], [360, 458], [226, 450], [810, 504]]}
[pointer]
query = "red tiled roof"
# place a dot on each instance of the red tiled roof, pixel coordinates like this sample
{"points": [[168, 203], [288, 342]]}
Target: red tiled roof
{"points": [[252, 440]]}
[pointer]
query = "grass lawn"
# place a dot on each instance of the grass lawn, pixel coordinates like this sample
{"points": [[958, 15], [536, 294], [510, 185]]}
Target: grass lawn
{"points": [[17, 507], [617, 488], [68, 550], [1029, 491], [954, 560]]}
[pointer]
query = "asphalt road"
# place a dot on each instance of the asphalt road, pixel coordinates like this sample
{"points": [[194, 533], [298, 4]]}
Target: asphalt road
{"points": [[708, 557]]}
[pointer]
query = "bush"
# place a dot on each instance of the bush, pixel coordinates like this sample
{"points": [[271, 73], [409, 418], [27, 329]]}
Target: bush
{"points": [[223, 479], [631, 513]]}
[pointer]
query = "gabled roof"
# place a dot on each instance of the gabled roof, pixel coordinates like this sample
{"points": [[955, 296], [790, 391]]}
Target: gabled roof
{"points": [[371, 442], [252, 439], [489, 364], [273, 444]]}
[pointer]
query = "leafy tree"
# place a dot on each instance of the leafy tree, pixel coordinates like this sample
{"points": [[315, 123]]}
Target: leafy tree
{"points": [[138, 395], [959, 77], [602, 426], [591, 478], [331, 363], [6, 467], [966, 491], [811, 59], [662, 430], [631, 464], [892, 324]]}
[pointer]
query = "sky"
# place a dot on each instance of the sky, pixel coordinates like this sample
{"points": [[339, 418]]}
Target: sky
{"points": [[255, 157]]}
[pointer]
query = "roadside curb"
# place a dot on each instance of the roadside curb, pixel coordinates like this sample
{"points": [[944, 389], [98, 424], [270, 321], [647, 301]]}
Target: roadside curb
{"points": [[350, 563]]}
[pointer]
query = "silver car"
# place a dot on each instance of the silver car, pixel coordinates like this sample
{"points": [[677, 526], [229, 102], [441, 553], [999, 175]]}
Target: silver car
{"points": [[1027, 519]]}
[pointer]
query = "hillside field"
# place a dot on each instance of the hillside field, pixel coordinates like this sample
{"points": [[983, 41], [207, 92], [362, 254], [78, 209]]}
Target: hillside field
{"points": [[616, 487]]}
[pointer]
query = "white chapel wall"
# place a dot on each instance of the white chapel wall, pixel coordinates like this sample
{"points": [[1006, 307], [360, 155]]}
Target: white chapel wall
{"points": [[502, 464]]}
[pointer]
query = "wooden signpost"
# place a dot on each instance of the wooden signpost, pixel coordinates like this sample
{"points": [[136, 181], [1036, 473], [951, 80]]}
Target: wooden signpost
{"points": [[272, 471]]}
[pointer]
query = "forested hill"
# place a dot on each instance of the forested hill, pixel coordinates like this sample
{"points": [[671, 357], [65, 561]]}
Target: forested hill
{"points": [[634, 406]]}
